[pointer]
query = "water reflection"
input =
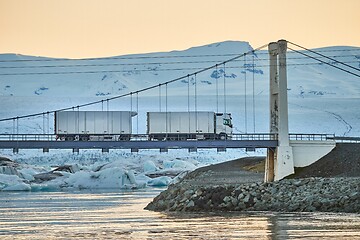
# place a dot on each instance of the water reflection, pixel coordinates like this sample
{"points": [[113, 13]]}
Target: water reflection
{"points": [[120, 215]]}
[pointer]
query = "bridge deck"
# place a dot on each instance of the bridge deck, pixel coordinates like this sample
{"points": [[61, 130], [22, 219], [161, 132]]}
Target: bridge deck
{"points": [[138, 144], [48, 141]]}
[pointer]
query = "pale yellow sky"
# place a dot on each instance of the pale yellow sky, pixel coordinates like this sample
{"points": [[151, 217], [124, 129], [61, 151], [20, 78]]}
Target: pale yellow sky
{"points": [[95, 28]]}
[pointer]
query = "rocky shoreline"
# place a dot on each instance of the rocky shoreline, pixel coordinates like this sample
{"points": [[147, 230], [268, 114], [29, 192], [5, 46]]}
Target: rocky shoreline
{"points": [[332, 184], [289, 195]]}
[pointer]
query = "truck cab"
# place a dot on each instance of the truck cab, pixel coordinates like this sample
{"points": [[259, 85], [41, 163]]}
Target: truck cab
{"points": [[223, 125]]}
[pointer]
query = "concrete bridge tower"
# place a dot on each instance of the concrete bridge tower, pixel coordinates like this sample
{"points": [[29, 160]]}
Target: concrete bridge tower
{"points": [[280, 161]]}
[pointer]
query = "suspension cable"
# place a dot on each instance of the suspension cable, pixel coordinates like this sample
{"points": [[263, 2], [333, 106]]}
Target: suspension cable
{"points": [[332, 59], [141, 90], [344, 70]]}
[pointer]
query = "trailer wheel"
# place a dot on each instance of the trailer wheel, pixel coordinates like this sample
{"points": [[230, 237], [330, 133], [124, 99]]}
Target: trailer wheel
{"points": [[124, 138], [84, 138], [69, 138]]}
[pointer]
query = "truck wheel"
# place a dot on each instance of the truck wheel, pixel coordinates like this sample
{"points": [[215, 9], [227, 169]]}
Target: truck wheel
{"points": [[222, 136]]}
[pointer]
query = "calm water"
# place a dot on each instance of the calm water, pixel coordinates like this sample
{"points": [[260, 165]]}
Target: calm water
{"points": [[120, 215]]}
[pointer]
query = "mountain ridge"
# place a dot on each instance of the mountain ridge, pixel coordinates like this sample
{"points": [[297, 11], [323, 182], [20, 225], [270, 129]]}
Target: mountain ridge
{"points": [[111, 76]]}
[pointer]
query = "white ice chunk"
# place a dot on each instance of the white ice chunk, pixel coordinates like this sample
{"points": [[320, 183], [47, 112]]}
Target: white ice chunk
{"points": [[160, 181], [149, 166], [18, 187]]}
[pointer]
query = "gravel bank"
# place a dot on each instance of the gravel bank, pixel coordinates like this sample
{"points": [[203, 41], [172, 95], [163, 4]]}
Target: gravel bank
{"points": [[290, 195], [342, 161], [330, 185]]}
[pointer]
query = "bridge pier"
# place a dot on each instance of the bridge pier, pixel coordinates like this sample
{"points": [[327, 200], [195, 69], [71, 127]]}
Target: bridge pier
{"points": [[104, 150], [190, 150]]}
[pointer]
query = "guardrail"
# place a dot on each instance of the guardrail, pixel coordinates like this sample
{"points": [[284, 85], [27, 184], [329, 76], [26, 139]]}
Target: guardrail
{"points": [[235, 136], [346, 139], [27, 137], [139, 137], [311, 137]]}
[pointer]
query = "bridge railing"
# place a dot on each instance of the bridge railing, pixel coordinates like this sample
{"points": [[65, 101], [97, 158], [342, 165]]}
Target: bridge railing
{"points": [[234, 136], [311, 137], [346, 139], [253, 136], [27, 137], [139, 137]]}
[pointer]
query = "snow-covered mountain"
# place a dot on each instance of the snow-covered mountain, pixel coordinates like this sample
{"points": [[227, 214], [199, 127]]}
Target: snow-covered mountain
{"points": [[328, 95], [31, 76], [322, 99]]}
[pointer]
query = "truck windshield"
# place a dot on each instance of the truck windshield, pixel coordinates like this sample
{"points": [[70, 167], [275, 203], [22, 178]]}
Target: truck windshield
{"points": [[227, 122]]}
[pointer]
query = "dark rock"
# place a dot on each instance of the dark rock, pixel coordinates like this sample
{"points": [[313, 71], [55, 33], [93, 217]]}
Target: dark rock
{"points": [[43, 177]]}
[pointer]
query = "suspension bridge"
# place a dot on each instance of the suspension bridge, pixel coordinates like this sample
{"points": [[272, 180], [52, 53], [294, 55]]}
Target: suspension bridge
{"points": [[285, 150]]}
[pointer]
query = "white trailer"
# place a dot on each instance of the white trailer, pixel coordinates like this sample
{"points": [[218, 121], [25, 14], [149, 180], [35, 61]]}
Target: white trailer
{"points": [[188, 125], [93, 125]]}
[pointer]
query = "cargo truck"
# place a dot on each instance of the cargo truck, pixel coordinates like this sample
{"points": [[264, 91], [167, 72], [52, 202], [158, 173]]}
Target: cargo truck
{"points": [[188, 125], [93, 125]]}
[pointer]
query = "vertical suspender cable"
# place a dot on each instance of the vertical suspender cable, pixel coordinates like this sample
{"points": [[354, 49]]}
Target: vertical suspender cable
{"points": [[108, 116], [76, 112], [102, 105], [217, 88], [48, 122], [137, 111], [253, 88], [43, 123], [17, 125], [245, 93], [159, 97], [188, 92], [195, 103], [166, 108], [131, 102], [131, 105], [13, 126], [224, 90]]}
